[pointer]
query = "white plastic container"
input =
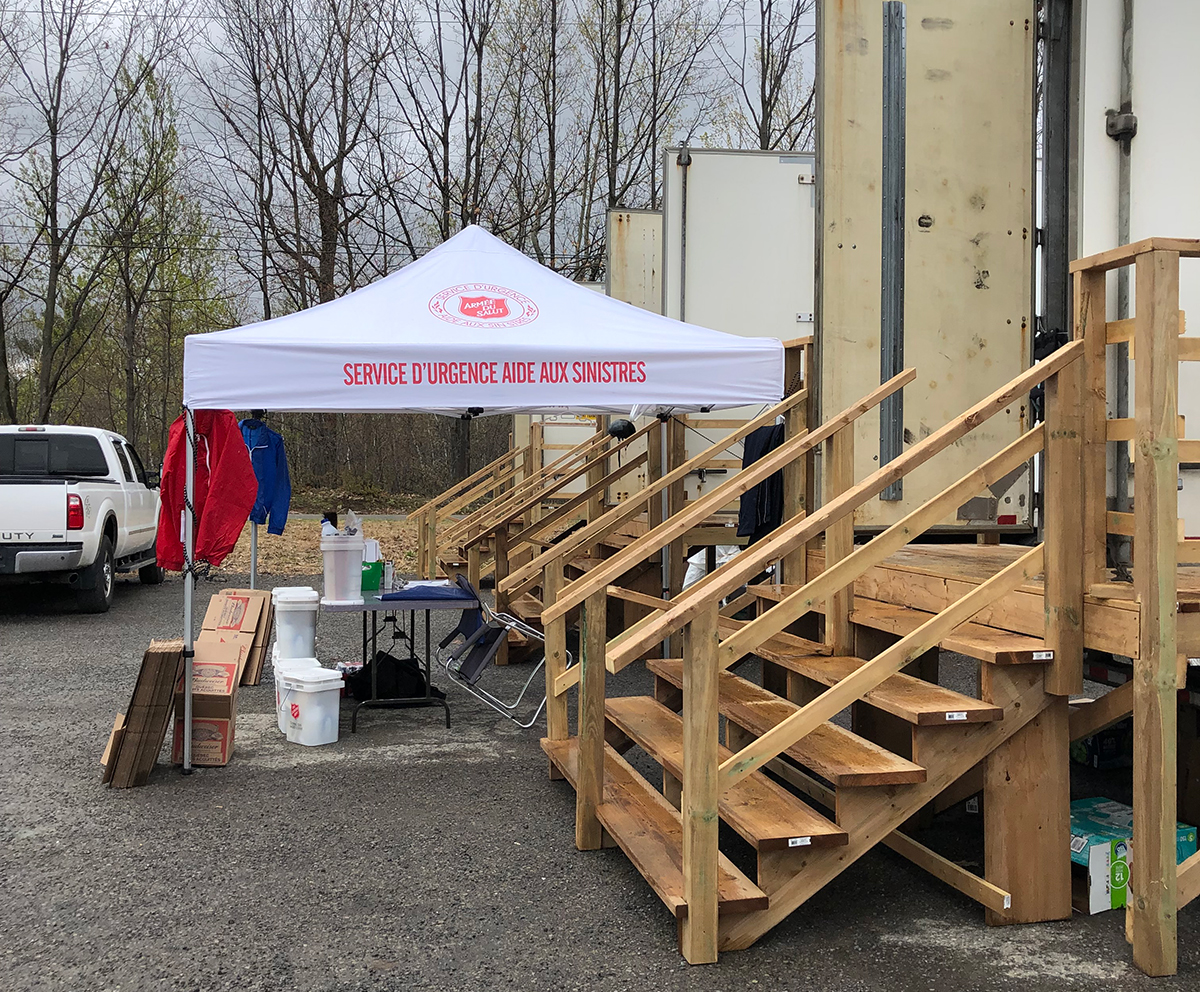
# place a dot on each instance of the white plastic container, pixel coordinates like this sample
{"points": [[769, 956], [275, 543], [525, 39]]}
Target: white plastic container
{"points": [[343, 569], [310, 701], [296, 621], [281, 667]]}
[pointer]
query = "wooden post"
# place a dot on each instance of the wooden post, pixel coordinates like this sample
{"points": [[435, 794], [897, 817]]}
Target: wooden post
{"points": [[676, 496], [654, 472], [698, 931], [499, 574], [422, 550], [838, 476], [1153, 872], [1063, 496], [556, 660], [474, 565], [431, 559], [595, 475], [1091, 328], [795, 475], [1027, 809], [589, 789]]}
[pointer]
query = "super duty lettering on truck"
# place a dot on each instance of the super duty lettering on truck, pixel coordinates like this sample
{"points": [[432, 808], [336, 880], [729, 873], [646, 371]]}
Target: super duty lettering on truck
{"points": [[76, 506]]}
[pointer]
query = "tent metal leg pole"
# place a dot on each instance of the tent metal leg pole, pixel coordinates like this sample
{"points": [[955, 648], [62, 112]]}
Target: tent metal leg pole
{"points": [[189, 584], [253, 555]]}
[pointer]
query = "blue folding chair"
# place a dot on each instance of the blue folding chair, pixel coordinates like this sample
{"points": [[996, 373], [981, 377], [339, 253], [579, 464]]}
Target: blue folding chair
{"points": [[479, 635]]}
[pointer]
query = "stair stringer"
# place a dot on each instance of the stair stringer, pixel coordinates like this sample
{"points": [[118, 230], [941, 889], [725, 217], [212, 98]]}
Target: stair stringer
{"points": [[870, 814]]}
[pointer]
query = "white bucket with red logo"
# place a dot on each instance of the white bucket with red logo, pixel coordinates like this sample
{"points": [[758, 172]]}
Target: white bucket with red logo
{"points": [[310, 701], [281, 667]]}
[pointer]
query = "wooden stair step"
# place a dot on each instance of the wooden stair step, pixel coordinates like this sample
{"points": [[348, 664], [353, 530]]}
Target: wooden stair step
{"points": [[585, 564], [833, 752], [617, 540], [763, 812], [527, 607], [783, 641], [650, 832], [975, 640], [912, 699]]}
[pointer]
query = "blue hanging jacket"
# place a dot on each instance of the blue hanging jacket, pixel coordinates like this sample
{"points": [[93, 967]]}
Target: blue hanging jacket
{"points": [[271, 470]]}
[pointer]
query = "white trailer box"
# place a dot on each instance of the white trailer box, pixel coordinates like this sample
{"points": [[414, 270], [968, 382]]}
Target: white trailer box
{"points": [[738, 242], [969, 236], [1164, 198]]}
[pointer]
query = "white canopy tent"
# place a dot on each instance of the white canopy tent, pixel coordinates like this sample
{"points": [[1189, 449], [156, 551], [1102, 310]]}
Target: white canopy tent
{"points": [[474, 327], [477, 326]]}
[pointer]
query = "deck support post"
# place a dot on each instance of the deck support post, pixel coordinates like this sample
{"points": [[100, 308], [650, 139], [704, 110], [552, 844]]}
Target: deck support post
{"points": [[589, 790], [1152, 883], [838, 473], [1090, 325], [557, 726], [1064, 524], [1027, 810], [698, 931]]}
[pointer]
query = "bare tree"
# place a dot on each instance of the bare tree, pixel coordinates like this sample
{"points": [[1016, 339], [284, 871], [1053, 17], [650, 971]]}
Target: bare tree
{"points": [[69, 58], [765, 63]]}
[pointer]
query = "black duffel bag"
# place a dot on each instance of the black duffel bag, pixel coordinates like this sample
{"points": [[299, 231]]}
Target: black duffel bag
{"points": [[398, 678]]}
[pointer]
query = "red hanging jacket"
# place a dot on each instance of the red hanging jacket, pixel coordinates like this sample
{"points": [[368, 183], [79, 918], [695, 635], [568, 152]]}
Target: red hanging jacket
{"points": [[224, 492]]}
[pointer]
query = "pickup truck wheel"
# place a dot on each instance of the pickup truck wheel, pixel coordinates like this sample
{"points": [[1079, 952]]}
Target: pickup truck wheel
{"points": [[150, 575], [101, 576]]}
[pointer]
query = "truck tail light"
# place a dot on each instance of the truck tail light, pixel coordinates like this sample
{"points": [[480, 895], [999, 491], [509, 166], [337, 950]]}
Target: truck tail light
{"points": [[74, 512]]}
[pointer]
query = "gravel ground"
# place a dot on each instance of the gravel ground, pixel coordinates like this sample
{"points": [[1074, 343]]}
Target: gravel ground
{"points": [[407, 856]]}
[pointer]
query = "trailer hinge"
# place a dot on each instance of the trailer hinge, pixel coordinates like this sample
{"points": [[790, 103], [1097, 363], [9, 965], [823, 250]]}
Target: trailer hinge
{"points": [[1120, 127]]}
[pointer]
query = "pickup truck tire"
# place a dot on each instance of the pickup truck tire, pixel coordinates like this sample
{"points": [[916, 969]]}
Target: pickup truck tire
{"points": [[101, 575], [150, 575]]}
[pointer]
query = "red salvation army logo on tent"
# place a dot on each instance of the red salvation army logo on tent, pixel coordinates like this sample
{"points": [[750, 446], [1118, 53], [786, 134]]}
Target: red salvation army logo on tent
{"points": [[482, 304]]}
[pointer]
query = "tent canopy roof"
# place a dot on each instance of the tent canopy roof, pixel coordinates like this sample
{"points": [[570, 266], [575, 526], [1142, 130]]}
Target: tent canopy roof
{"points": [[477, 326]]}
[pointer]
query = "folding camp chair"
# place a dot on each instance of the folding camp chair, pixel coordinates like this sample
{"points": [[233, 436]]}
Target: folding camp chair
{"points": [[482, 632]]}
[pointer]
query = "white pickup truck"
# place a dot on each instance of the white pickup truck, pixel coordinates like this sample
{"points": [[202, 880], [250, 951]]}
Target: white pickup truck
{"points": [[76, 507]]}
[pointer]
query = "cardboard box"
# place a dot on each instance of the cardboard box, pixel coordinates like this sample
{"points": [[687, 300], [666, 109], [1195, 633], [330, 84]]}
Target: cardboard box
{"points": [[1102, 848], [216, 674], [137, 735], [264, 620]]}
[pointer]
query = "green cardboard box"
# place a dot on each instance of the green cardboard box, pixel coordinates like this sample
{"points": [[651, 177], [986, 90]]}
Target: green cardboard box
{"points": [[1101, 832], [372, 575]]}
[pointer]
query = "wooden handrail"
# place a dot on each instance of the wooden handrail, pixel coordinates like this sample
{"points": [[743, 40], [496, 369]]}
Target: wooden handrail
{"points": [[1115, 258], [466, 498], [470, 480], [531, 532], [842, 574], [567, 478], [524, 578], [863, 680], [526, 486], [796, 533], [680, 523]]}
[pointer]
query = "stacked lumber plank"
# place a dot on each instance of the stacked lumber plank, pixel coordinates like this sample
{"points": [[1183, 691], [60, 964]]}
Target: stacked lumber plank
{"points": [[138, 733]]}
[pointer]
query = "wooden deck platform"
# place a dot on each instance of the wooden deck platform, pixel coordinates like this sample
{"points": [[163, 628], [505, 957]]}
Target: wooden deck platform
{"points": [[928, 577]]}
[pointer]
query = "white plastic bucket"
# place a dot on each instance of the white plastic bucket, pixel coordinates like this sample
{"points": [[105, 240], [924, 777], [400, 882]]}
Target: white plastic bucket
{"points": [[310, 701], [281, 667], [296, 621], [343, 569]]}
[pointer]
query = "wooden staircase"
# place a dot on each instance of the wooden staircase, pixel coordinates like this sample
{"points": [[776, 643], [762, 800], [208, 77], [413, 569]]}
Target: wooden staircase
{"points": [[911, 739]]}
